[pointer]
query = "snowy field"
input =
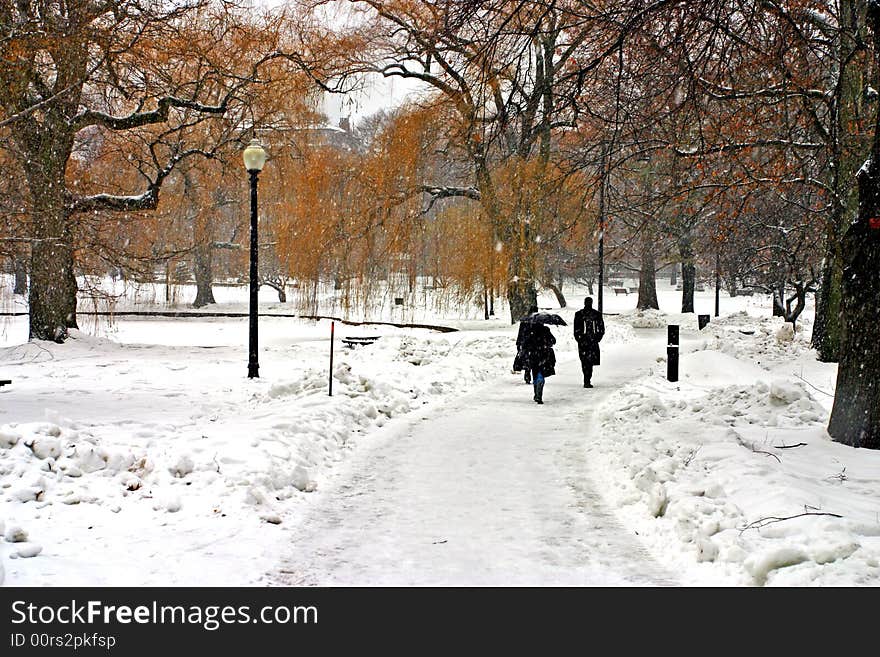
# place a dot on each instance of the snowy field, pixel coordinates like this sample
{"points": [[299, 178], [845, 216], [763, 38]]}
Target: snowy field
{"points": [[138, 453]]}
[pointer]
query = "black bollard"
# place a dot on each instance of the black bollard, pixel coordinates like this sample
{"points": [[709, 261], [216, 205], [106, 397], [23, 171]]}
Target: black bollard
{"points": [[672, 353], [332, 330], [702, 321]]}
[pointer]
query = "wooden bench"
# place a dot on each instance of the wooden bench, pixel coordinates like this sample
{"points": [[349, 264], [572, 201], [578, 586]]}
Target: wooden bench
{"points": [[5, 382], [620, 290], [356, 340]]}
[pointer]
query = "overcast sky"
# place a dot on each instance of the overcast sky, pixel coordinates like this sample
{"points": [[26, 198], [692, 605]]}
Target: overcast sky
{"points": [[378, 92]]}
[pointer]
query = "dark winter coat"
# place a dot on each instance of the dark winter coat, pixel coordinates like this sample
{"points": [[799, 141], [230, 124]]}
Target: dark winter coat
{"points": [[538, 350], [588, 331], [520, 363]]}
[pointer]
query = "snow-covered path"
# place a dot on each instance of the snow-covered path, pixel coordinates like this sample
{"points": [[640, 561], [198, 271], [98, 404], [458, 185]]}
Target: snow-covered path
{"points": [[490, 489]]}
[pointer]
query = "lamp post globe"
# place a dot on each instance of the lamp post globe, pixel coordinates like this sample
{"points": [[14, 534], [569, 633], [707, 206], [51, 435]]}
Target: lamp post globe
{"points": [[254, 158]]}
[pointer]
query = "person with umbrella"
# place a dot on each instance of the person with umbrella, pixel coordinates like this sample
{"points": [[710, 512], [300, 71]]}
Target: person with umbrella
{"points": [[538, 349], [588, 331], [520, 363]]}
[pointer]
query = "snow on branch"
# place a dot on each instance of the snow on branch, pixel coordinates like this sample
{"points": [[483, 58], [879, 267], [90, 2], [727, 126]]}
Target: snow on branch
{"points": [[448, 192], [119, 203], [139, 118], [725, 148], [148, 200], [778, 91]]}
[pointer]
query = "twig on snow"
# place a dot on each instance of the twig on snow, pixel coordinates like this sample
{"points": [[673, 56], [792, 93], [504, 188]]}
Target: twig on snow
{"points": [[840, 476], [824, 392], [691, 456], [751, 447], [763, 522]]}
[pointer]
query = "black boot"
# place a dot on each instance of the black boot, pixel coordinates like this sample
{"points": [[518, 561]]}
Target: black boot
{"points": [[539, 391], [527, 377]]}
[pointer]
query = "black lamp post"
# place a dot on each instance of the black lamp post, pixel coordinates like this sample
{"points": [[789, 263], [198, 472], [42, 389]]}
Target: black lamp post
{"points": [[254, 159], [717, 278], [602, 228]]}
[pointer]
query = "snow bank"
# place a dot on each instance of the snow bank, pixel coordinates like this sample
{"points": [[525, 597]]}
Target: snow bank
{"points": [[730, 473], [181, 445]]}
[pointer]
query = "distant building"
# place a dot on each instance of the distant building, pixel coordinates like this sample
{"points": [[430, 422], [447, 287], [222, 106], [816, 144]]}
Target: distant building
{"points": [[340, 136]]}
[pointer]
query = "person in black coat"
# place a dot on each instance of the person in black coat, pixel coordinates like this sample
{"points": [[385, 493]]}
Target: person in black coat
{"points": [[538, 352], [520, 362], [588, 331]]}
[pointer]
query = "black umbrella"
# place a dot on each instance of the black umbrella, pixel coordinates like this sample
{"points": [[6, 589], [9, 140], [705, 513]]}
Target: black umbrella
{"points": [[544, 318]]}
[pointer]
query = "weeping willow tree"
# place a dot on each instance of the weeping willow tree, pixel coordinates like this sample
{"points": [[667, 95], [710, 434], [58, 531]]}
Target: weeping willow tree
{"points": [[356, 216]]}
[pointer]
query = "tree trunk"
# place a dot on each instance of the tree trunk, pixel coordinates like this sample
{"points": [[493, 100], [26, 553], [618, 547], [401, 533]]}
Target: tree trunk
{"points": [[673, 277], [557, 291], [20, 270], [779, 301], [279, 288], [731, 286], [521, 295], [827, 327], [855, 417], [647, 276], [688, 269], [800, 296], [848, 153], [53, 288], [52, 294], [521, 290], [167, 282], [688, 282], [203, 270]]}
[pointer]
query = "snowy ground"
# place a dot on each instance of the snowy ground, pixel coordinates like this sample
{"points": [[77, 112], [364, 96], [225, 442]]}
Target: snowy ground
{"points": [[138, 453]]}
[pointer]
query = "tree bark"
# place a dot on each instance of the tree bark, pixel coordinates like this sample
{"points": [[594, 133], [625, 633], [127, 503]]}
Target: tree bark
{"points": [[279, 288], [203, 270], [847, 153], [203, 240], [52, 293], [557, 291], [688, 282], [800, 297], [779, 301], [855, 416], [53, 288], [688, 270], [647, 275], [521, 295], [20, 271]]}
